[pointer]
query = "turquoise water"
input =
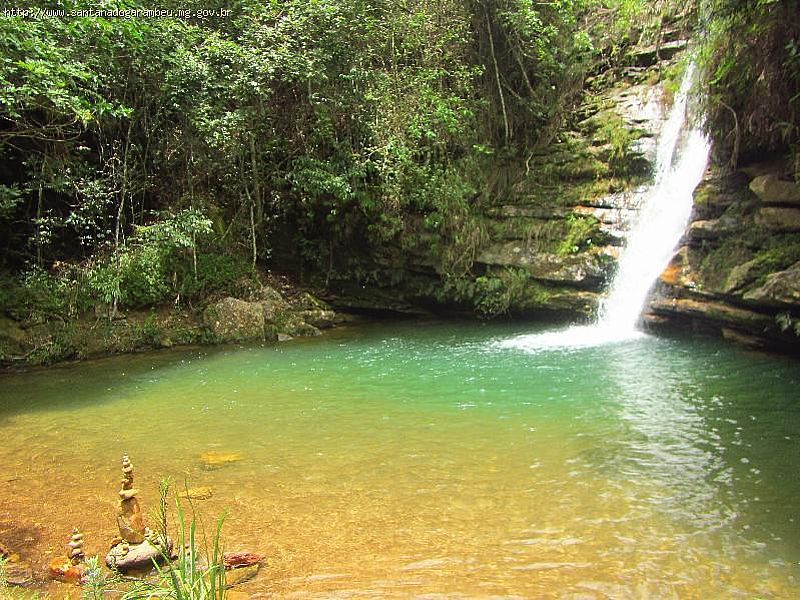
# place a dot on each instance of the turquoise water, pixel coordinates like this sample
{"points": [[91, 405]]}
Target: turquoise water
{"points": [[425, 458]]}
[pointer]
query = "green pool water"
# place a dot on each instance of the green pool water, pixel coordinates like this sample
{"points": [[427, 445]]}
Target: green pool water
{"points": [[426, 459]]}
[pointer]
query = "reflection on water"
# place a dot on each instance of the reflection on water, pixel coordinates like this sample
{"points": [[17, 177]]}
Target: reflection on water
{"points": [[424, 459]]}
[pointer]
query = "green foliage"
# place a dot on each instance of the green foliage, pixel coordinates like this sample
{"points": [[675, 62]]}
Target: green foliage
{"points": [[139, 274], [57, 347], [148, 333], [751, 60], [38, 295], [97, 581], [579, 234], [216, 272], [490, 295], [788, 323]]}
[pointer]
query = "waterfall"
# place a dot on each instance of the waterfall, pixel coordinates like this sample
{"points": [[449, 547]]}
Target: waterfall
{"points": [[666, 205]]}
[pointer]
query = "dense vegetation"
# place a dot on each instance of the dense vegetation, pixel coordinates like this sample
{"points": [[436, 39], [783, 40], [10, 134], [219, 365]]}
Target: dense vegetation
{"points": [[751, 51], [146, 160]]}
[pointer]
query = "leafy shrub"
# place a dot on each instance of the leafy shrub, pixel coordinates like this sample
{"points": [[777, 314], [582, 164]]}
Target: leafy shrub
{"points": [[216, 272]]}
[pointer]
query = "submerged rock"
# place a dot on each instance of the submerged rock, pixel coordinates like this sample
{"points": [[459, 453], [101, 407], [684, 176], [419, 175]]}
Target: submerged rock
{"points": [[240, 566], [214, 459], [240, 575], [197, 493], [18, 572], [235, 560]]}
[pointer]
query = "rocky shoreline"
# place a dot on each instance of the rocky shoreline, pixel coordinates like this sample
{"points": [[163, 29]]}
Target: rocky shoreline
{"points": [[270, 312]]}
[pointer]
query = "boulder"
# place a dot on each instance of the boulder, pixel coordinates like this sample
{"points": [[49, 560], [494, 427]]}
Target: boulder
{"points": [[782, 219], [740, 276], [273, 304], [302, 329], [306, 301], [231, 319], [769, 188], [780, 289], [677, 272]]}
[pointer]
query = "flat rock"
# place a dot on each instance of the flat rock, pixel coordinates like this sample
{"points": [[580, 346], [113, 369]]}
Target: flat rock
{"points": [[782, 219], [769, 188], [321, 319], [589, 269], [284, 337], [216, 459], [745, 339], [303, 329], [197, 493], [780, 289], [718, 312], [710, 229]]}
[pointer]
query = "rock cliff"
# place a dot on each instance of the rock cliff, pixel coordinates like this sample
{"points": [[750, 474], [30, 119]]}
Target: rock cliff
{"points": [[737, 272]]}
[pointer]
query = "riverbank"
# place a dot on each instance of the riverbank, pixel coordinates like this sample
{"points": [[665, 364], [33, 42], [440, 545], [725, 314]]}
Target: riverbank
{"points": [[270, 308]]}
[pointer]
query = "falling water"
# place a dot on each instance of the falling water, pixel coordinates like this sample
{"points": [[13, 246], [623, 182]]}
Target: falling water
{"points": [[665, 209]]}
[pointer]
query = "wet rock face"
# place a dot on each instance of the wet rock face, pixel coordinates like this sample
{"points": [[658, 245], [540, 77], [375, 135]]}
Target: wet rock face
{"points": [[586, 269], [738, 272]]}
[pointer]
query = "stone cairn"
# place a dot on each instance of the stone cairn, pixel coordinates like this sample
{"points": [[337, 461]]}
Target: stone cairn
{"points": [[137, 547], [72, 568]]}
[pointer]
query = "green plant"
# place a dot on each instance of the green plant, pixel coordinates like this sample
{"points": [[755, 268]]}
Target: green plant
{"points": [[190, 577], [788, 323], [147, 333], [97, 582], [579, 234]]}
